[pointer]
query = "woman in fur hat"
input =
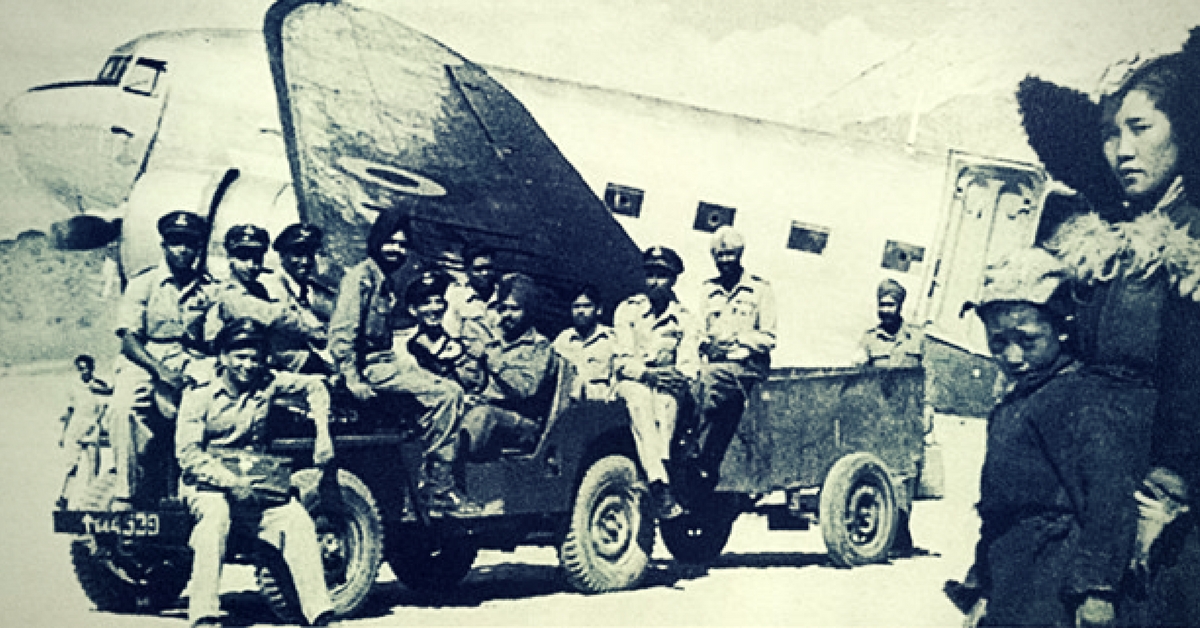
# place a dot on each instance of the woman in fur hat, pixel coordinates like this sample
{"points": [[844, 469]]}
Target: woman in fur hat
{"points": [[1136, 263]]}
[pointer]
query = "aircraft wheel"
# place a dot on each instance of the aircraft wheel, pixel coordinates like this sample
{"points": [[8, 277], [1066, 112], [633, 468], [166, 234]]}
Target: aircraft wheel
{"points": [[611, 534], [858, 511]]}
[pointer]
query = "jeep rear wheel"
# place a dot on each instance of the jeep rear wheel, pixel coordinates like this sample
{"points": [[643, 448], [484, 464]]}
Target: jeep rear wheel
{"points": [[858, 511], [125, 583], [424, 564], [350, 535], [611, 534], [699, 535]]}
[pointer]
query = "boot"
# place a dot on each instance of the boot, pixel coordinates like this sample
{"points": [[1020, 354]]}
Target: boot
{"points": [[666, 508], [442, 495]]}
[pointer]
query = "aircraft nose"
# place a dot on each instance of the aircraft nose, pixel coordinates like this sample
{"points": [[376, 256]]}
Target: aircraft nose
{"points": [[66, 144]]}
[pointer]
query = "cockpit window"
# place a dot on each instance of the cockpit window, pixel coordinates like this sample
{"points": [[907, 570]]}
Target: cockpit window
{"points": [[111, 73], [142, 78]]}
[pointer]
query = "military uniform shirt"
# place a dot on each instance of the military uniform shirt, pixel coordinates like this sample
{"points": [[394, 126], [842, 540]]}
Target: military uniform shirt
{"points": [[310, 296], [592, 356], [362, 320], [267, 301], [645, 340], [154, 308], [903, 349], [745, 314], [215, 414], [516, 369]]}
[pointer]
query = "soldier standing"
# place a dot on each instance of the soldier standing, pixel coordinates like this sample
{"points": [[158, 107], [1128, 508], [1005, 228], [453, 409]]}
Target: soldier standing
{"points": [[160, 326], [87, 400], [740, 334], [893, 342], [657, 350]]}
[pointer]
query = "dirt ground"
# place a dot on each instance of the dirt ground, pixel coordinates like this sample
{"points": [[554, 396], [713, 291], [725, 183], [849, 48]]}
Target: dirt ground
{"points": [[763, 578]]}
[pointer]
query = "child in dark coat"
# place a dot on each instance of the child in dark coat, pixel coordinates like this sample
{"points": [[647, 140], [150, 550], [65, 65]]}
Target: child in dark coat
{"points": [[1066, 448]]}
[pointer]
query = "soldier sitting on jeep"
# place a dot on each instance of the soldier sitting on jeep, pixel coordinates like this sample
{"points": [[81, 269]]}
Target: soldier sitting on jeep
{"points": [[517, 366]]}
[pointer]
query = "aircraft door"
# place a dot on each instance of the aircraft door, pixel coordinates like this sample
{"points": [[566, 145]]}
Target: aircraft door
{"points": [[992, 209]]}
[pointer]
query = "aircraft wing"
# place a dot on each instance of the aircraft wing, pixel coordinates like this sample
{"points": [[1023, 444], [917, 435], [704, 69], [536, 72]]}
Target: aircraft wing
{"points": [[378, 117]]}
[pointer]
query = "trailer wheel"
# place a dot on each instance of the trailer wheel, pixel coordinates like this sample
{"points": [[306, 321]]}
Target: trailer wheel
{"points": [[611, 535], [350, 535], [700, 535], [422, 564], [858, 511], [123, 583]]}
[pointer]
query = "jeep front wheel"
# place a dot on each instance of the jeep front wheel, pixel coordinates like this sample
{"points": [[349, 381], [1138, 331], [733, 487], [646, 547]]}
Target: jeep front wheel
{"points": [[117, 579], [611, 533], [350, 535]]}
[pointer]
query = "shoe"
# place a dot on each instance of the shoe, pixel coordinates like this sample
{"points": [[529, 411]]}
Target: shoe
{"points": [[664, 501], [442, 496], [206, 621], [325, 619], [450, 503]]}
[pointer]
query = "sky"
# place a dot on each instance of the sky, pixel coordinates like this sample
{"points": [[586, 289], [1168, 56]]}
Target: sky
{"points": [[817, 63]]}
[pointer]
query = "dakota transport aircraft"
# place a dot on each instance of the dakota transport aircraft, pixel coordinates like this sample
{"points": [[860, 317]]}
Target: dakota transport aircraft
{"points": [[566, 181]]}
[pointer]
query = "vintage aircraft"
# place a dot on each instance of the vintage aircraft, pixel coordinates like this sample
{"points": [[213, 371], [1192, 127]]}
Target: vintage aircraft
{"points": [[565, 180]]}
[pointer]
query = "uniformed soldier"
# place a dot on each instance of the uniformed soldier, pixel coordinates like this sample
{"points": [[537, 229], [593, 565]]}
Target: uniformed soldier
{"points": [[362, 341], [230, 411], [893, 343], [657, 349], [160, 325], [589, 345], [435, 350], [739, 335], [517, 366], [297, 246], [471, 313], [255, 292]]}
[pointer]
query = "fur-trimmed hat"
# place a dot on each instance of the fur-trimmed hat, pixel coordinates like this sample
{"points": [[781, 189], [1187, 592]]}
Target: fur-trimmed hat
{"points": [[1064, 125]]}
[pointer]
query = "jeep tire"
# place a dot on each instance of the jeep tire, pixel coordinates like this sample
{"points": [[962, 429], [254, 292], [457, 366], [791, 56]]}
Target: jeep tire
{"points": [[610, 536]]}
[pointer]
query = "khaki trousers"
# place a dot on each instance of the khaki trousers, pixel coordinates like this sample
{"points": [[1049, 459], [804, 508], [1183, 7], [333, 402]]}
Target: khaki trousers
{"points": [[652, 415], [287, 528]]}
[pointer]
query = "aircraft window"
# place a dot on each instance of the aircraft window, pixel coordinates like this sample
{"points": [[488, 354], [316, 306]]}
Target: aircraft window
{"points": [[143, 77], [710, 217], [111, 73], [624, 200], [901, 256], [808, 238]]}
